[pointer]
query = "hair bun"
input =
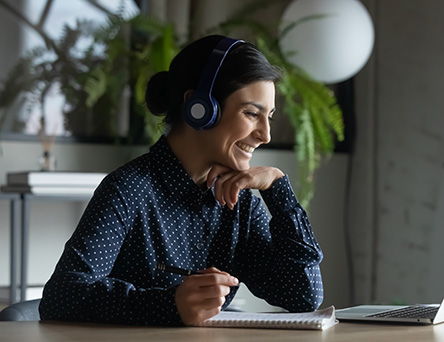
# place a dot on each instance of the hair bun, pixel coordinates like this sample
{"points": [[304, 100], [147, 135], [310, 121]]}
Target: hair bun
{"points": [[156, 96]]}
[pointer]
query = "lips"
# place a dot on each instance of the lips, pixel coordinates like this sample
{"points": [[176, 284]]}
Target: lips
{"points": [[245, 147]]}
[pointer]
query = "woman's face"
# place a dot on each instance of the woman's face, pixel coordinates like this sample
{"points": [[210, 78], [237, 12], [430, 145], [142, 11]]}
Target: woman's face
{"points": [[243, 126]]}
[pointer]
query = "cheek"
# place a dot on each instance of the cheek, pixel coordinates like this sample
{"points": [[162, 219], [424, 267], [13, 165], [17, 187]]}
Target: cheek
{"points": [[230, 129], [241, 127]]}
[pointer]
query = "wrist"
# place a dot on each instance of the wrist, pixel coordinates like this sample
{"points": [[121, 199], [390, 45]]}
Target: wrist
{"points": [[277, 174]]}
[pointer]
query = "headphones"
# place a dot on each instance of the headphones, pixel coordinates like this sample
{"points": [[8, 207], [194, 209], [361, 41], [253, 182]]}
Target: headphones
{"points": [[202, 110]]}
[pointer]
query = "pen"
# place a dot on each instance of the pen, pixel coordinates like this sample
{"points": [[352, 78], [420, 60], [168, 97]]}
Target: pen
{"points": [[175, 270]]}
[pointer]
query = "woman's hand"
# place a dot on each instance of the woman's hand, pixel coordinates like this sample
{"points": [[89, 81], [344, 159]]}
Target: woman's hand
{"points": [[201, 296], [228, 183]]}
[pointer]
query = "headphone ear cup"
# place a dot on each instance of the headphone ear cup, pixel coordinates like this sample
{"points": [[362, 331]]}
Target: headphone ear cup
{"points": [[216, 113], [201, 113]]}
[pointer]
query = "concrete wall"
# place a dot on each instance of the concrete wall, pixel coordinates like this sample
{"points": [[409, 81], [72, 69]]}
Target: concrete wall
{"points": [[399, 162], [410, 121]]}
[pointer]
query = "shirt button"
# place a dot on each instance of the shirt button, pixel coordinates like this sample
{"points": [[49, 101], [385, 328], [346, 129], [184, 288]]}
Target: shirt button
{"points": [[199, 245]]}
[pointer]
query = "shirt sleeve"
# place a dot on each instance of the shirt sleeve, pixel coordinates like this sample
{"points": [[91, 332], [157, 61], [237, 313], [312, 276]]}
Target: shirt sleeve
{"points": [[82, 287], [281, 257]]}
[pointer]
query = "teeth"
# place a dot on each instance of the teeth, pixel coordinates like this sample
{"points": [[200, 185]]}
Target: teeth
{"points": [[245, 147]]}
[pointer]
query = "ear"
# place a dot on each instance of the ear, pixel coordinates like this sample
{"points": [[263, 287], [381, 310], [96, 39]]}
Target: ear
{"points": [[187, 95]]}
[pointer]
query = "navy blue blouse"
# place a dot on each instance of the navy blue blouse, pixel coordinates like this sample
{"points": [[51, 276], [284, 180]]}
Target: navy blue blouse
{"points": [[150, 211]]}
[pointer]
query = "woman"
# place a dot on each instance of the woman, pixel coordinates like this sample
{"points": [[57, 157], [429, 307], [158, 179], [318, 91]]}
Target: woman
{"points": [[188, 203]]}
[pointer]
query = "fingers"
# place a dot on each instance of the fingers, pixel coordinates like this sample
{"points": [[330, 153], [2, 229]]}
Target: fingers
{"points": [[201, 296], [228, 183], [214, 270], [215, 172], [212, 279], [202, 315], [226, 189], [211, 296]]}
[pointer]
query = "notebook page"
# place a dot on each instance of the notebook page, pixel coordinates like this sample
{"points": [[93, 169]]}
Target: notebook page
{"points": [[320, 320]]}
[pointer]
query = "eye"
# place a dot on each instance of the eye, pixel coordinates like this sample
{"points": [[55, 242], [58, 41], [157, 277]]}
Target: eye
{"points": [[252, 114]]}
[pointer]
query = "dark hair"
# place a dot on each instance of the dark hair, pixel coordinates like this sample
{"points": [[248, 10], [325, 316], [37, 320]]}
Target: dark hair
{"points": [[243, 65]]}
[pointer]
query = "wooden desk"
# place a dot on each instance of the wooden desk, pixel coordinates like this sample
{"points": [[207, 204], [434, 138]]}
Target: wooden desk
{"points": [[343, 332]]}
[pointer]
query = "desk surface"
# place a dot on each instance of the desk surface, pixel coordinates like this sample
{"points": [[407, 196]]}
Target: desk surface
{"points": [[344, 332]]}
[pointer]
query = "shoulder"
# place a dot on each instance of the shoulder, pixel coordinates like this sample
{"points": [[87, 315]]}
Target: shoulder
{"points": [[131, 179], [142, 167]]}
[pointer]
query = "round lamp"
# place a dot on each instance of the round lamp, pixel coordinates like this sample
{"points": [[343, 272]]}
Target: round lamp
{"points": [[333, 46]]}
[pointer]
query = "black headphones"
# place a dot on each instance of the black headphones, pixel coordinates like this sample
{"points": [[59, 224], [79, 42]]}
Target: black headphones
{"points": [[202, 110]]}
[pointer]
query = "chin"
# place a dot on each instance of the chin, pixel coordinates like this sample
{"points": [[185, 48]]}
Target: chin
{"points": [[238, 164], [242, 167]]}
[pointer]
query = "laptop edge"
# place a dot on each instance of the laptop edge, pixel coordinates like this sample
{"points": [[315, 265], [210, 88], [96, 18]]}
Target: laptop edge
{"points": [[361, 313]]}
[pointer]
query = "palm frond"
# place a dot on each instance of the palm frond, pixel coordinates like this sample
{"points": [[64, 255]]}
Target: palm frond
{"points": [[95, 86]]}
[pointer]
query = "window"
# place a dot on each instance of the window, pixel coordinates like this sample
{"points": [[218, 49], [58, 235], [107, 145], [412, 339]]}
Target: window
{"points": [[45, 107]]}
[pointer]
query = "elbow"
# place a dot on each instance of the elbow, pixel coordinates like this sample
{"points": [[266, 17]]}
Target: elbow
{"points": [[316, 300], [314, 295], [45, 310], [312, 300], [309, 303]]}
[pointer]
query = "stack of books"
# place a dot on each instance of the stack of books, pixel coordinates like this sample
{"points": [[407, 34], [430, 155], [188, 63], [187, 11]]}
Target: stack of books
{"points": [[53, 182]]}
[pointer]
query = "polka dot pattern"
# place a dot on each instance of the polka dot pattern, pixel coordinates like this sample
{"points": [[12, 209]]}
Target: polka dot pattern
{"points": [[149, 211]]}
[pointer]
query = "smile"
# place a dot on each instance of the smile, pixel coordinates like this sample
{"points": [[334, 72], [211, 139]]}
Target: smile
{"points": [[245, 147]]}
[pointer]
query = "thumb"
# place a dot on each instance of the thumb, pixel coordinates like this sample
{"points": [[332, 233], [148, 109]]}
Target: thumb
{"points": [[216, 171]]}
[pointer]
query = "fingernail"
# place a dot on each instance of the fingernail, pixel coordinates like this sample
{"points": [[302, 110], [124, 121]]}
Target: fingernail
{"points": [[235, 281]]}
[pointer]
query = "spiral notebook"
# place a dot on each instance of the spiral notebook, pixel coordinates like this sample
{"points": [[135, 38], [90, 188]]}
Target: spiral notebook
{"points": [[317, 320]]}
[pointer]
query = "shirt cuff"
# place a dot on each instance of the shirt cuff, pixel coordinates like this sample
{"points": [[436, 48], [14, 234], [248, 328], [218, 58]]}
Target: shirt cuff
{"points": [[280, 197]]}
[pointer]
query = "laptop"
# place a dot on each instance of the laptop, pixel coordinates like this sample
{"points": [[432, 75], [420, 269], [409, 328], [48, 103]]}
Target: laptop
{"points": [[418, 313]]}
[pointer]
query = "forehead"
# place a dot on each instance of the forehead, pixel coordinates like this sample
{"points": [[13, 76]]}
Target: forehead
{"points": [[262, 92]]}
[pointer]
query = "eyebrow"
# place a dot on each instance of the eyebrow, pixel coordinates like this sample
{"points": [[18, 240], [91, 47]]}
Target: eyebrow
{"points": [[259, 106]]}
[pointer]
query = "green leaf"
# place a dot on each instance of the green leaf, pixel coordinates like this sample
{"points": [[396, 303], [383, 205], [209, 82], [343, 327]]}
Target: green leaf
{"points": [[95, 86]]}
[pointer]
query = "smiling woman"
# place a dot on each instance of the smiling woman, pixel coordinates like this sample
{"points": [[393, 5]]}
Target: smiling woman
{"points": [[189, 203]]}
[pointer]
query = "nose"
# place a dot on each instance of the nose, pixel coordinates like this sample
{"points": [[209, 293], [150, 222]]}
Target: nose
{"points": [[263, 130]]}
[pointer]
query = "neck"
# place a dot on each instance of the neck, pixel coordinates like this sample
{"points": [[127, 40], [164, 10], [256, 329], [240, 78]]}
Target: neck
{"points": [[188, 150]]}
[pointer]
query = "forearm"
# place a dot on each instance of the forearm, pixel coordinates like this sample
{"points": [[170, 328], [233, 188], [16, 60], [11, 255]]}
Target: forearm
{"points": [[99, 279], [72, 296], [284, 282], [291, 231], [286, 265]]}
